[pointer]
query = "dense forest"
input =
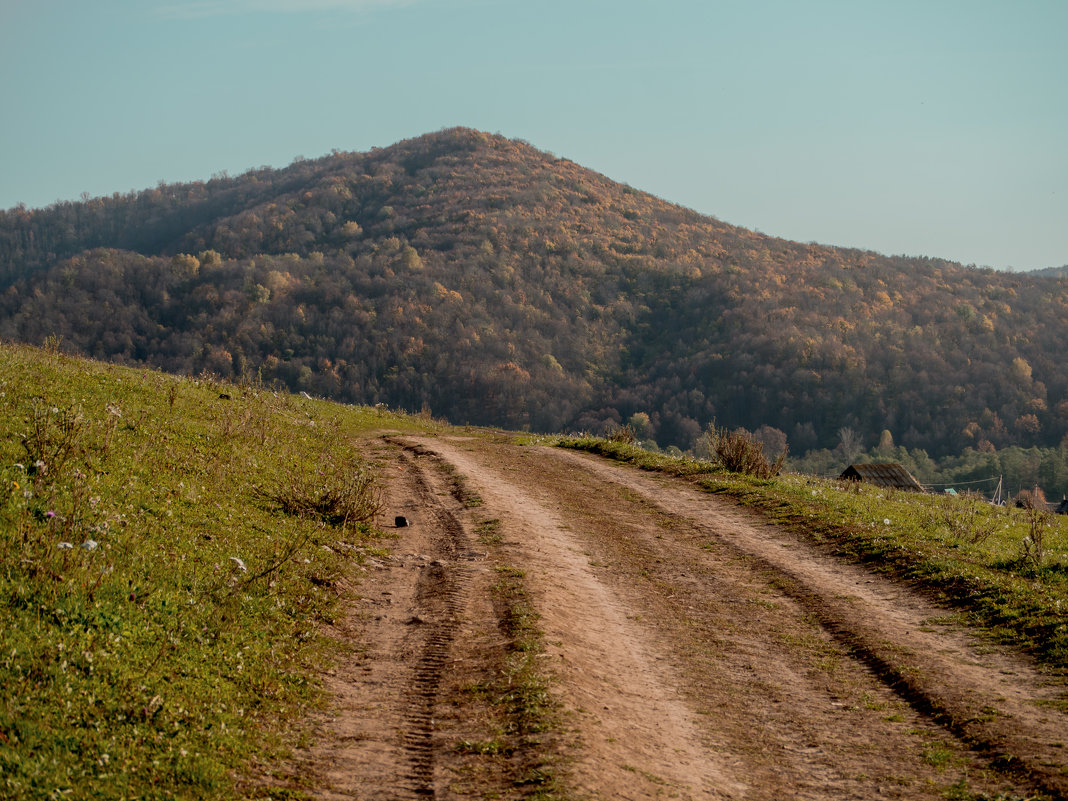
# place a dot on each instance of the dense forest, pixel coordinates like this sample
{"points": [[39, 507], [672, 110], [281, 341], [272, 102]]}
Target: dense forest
{"points": [[488, 282]]}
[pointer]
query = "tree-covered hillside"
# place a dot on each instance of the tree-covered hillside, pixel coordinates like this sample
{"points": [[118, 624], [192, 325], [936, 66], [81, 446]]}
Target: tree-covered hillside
{"points": [[492, 283]]}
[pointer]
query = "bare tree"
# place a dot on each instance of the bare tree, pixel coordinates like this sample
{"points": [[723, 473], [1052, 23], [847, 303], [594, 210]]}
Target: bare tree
{"points": [[849, 442]]}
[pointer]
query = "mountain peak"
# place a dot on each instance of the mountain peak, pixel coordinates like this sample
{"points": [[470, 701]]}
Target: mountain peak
{"points": [[494, 283]]}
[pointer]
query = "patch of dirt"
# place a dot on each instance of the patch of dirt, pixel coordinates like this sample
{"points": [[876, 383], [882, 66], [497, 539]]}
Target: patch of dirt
{"points": [[696, 652]]}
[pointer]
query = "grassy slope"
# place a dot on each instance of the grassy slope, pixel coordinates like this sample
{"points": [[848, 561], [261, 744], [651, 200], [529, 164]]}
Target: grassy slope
{"points": [[161, 616], [962, 550]]}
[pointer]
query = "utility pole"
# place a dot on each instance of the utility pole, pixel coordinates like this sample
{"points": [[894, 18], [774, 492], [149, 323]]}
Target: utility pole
{"points": [[997, 499]]}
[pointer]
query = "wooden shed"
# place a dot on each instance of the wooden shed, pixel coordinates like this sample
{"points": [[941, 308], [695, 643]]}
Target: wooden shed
{"points": [[882, 474]]}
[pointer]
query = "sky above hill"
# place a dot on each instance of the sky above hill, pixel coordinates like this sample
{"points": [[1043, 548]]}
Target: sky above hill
{"points": [[916, 127]]}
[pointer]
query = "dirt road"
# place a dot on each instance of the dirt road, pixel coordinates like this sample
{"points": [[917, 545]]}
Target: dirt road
{"points": [[692, 652]]}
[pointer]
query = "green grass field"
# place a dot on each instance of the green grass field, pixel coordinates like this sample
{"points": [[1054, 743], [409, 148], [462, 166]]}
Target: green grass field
{"points": [[169, 549]]}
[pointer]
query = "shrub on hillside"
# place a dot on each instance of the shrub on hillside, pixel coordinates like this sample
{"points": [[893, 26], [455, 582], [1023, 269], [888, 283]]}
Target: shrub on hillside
{"points": [[738, 452], [623, 434]]}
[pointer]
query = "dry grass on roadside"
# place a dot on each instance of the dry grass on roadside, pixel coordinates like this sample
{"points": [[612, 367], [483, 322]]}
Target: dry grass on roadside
{"points": [[737, 452]]}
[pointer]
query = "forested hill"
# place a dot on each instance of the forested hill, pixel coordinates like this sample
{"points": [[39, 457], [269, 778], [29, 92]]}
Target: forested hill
{"points": [[492, 283]]}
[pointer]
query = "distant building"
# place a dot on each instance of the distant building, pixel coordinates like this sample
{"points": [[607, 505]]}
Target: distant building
{"points": [[1062, 509], [885, 474]]}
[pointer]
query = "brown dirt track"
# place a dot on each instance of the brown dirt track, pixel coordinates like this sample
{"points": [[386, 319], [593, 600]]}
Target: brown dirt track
{"points": [[694, 652]]}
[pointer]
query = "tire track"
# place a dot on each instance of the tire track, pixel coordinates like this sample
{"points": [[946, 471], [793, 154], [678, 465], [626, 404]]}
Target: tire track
{"points": [[992, 701], [442, 594], [387, 736], [995, 702]]}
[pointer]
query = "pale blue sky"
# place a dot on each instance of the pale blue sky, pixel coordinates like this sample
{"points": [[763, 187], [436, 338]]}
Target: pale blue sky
{"points": [[932, 127]]}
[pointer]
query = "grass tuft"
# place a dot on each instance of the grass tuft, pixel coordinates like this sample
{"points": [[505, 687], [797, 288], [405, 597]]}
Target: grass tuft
{"points": [[341, 493], [531, 713]]}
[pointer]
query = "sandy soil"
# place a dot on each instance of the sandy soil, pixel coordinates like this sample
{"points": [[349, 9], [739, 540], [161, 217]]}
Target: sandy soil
{"points": [[694, 651]]}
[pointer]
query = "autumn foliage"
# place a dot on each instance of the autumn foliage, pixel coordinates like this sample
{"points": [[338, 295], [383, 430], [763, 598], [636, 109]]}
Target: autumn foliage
{"points": [[492, 283]]}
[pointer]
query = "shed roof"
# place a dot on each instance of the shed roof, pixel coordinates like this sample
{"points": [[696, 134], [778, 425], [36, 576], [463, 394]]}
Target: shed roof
{"points": [[883, 474]]}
